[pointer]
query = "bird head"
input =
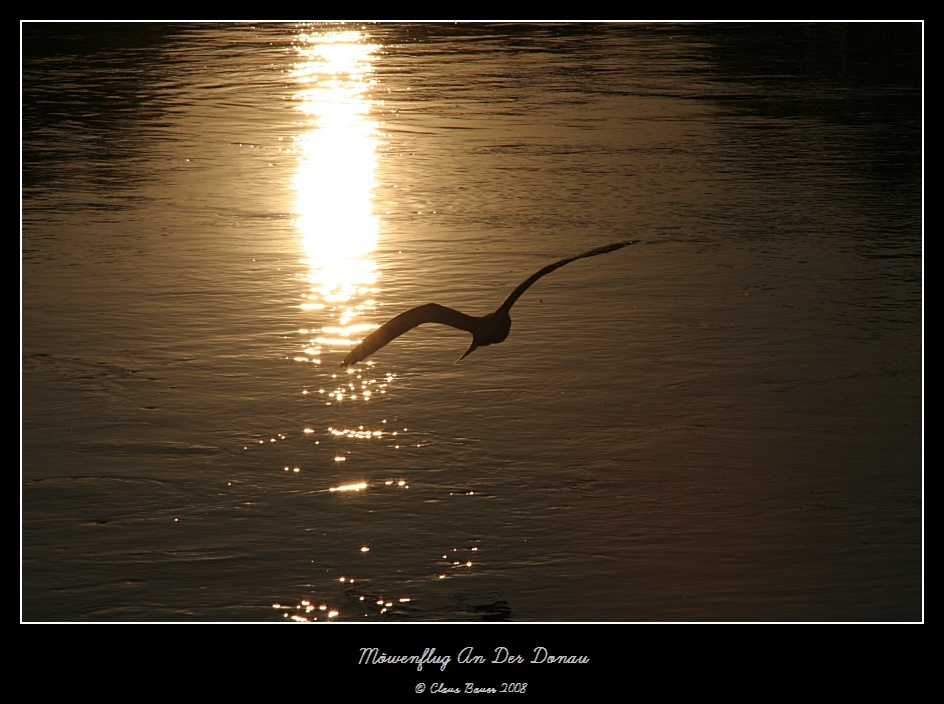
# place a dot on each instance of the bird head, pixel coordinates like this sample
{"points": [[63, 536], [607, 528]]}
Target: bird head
{"points": [[468, 352]]}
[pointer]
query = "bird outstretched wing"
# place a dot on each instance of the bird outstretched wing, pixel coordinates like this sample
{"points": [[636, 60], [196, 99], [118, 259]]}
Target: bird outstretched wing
{"points": [[486, 330], [526, 284], [406, 321]]}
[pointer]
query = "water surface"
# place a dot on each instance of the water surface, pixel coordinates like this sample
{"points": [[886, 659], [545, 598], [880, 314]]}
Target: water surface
{"points": [[720, 423]]}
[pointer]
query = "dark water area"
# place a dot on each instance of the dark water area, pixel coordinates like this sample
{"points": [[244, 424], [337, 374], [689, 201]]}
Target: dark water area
{"points": [[720, 423]]}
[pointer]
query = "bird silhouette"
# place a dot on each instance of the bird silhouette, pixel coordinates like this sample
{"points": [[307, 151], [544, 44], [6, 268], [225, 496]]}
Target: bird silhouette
{"points": [[486, 330]]}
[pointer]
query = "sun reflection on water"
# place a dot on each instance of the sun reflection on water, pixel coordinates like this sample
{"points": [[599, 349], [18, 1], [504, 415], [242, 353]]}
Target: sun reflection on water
{"points": [[335, 183], [339, 226]]}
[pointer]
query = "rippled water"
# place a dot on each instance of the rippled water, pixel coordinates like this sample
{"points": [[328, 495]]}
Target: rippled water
{"points": [[722, 422]]}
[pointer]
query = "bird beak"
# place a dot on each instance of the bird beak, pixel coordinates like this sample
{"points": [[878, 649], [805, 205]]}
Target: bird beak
{"points": [[467, 352]]}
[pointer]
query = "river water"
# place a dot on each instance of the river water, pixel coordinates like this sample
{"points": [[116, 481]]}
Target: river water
{"points": [[721, 422]]}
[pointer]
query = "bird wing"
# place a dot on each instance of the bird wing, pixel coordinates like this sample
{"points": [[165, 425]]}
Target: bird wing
{"points": [[516, 294], [406, 321]]}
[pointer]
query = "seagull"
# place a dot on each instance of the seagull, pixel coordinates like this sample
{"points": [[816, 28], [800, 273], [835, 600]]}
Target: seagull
{"points": [[486, 330]]}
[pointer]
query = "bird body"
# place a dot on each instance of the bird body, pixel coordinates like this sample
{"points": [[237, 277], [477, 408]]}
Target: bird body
{"points": [[486, 330]]}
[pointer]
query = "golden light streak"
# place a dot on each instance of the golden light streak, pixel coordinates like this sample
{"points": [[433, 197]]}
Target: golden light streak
{"points": [[335, 181], [360, 486]]}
